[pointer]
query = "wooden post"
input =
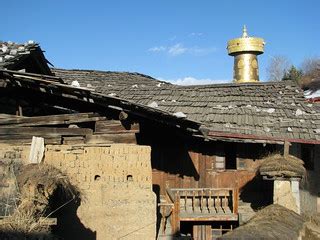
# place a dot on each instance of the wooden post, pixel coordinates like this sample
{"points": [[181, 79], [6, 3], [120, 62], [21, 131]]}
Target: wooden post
{"points": [[175, 214], [208, 232], [225, 203], [193, 201], [235, 200], [185, 200], [18, 109], [201, 201], [209, 202], [286, 148]]}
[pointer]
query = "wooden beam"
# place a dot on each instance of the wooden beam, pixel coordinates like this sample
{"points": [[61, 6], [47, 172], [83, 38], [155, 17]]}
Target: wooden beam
{"points": [[51, 120], [111, 138], [84, 95], [45, 131], [176, 215], [235, 200], [109, 126], [27, 139], [286, 149], [8, 116], [215, 217], [19, 109]]}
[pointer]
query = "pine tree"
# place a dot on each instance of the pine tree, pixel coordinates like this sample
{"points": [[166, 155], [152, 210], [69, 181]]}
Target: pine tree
{"points": [[294, 74]]}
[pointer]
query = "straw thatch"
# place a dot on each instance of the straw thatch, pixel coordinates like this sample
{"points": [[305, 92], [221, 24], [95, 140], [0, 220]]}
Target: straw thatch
{"points": [[272, 222], [312, 227], [36, 185], [276, 165]]}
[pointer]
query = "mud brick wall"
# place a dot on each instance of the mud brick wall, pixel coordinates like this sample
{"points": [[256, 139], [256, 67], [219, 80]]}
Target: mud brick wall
{"points": [[116, 184], [10, 157], [117, 201], [14, 154]]}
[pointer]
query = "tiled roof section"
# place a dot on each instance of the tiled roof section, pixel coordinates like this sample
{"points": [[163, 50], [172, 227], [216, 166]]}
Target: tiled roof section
{"points": [[12, 52], [27, 56], [272, 110], [100, 80]]}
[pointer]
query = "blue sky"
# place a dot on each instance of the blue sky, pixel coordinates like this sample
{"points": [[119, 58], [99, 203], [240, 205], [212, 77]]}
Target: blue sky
{"points": [[174, 40]]}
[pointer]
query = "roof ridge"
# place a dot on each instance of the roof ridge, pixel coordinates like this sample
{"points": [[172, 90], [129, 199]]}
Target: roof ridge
{"points": [[102, 71], [231, 84]]}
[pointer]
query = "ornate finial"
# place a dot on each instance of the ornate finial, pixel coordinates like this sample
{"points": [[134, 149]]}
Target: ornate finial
{"points": [[245, 50], [244, 32]]}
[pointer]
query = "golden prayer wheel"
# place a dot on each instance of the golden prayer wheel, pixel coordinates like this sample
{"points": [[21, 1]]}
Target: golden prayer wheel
{"points": [[245, 51]]}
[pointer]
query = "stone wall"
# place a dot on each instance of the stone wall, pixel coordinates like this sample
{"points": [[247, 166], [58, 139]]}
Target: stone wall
{"points": [[286, 193], [117, 201]]}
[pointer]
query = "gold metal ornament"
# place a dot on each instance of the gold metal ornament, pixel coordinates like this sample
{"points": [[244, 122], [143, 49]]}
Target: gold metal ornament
{"points": [[245, 51]]}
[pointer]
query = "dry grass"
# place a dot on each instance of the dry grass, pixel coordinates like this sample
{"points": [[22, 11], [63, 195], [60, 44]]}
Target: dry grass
{"points": [[24, 222], [276, 165], [36, 185], [272, 222]]}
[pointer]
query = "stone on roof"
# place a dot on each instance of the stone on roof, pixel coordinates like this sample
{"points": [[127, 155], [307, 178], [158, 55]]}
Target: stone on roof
{"points": [[26, 57], [109, 80], [275, 110]]}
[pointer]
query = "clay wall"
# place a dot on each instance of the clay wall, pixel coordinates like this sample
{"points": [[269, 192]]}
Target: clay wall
{"points": [[117, 201]]}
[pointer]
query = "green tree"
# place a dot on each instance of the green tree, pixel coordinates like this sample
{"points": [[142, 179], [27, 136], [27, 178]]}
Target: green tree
{"points": [[294, 74]]}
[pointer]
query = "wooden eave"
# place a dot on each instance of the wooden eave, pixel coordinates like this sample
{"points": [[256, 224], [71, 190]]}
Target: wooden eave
{"points": [[53, 86], [257, 139]]}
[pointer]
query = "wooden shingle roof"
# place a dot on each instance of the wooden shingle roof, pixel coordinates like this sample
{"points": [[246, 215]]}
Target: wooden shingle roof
{"points": [[273, 110], [102, 80], [27, 57]]}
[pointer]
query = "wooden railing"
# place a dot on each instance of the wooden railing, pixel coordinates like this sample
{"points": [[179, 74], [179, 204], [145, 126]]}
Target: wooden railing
{"points": [[203, 204]]}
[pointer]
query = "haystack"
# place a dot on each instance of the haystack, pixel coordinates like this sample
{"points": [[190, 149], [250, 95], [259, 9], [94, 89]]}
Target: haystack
{"points": [[272, 222], [36, 185], [276, 165]]}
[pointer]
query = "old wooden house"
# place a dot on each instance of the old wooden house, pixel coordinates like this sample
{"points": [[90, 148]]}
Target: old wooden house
{"points": [[207, 142]]}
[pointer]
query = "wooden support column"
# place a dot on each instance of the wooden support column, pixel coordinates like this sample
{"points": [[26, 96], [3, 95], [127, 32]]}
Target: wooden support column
{"points": [[175, 215], [202, 232], [286, 149], [19, 109], [235, 200]]}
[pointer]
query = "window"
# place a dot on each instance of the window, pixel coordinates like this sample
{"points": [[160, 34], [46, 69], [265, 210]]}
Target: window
{"points": [[231, 155], [220, 163], [307, 155]]}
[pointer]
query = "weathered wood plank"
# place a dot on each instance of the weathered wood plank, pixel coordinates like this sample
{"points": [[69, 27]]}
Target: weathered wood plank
{"points": [[73, 140], [37, 150], [112, 138], [9, 116], [26, 140], [108, 126], [45, 131], [51, 120], [213, 217]]}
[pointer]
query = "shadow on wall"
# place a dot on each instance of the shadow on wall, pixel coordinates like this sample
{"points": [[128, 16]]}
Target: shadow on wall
{"points": [[169, 151], [258, 192], [173, 159], [156, 190], [69, 225]]}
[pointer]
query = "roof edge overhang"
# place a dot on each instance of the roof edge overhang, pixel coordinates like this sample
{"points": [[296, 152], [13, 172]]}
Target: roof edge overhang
{"points": [[258, 138], [55, 86]]}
